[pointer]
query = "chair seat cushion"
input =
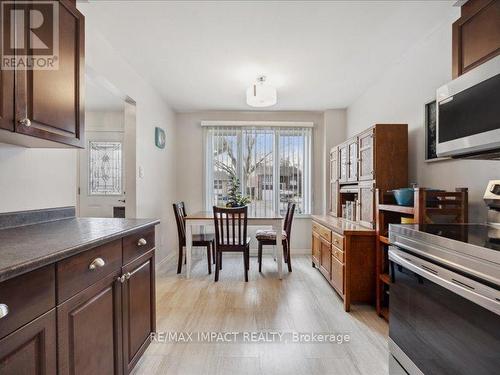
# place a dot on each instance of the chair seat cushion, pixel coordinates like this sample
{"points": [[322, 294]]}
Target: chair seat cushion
{"points": [[207, 237], [268, 234]]}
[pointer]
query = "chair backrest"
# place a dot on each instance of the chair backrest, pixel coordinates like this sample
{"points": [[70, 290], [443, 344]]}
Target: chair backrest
{"points": [[287, 226], [180, 214], [230, 226]]}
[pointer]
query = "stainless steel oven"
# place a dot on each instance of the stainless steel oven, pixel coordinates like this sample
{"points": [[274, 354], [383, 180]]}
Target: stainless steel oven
{"points": [[444, 313], [468, 113]]}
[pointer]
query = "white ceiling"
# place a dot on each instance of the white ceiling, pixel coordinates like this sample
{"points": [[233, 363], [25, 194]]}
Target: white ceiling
{"points": [[320, 55]]}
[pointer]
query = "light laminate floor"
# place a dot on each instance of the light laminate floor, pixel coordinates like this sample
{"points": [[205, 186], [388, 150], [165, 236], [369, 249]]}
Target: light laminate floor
{"points": [[302, 302]]}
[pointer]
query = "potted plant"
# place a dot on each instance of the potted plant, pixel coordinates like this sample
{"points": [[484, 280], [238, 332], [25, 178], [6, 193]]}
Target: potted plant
{"points": [[234, 196]]}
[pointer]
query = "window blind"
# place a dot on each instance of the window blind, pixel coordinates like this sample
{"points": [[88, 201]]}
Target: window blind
{"points": [[273, 165]]}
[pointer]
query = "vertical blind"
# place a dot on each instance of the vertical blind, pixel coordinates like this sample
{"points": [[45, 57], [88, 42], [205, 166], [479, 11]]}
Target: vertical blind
{"points": [[273, 165]]}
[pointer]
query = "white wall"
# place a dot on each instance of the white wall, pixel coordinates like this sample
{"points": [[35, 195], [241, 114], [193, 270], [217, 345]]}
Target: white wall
{"points": [[190, 163], [399, 95], [36, 178], [156, 190]]}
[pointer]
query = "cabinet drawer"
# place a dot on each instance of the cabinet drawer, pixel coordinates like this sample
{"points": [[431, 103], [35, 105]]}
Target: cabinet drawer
{"points": [[337, 253], [82, 270], [337, 275], [322, 231], [26, 297], [338, 240], [137, 244]]}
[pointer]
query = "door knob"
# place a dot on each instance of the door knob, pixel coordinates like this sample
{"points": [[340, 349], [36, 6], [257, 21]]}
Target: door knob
{"points": [[96, 263], [4, 310], [25, 122]]}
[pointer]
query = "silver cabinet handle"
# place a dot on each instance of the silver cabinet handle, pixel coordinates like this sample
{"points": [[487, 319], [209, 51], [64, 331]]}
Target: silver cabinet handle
{"points": [[96, 263], [127, 275], [142, 242], [121, 278], [4, 310], [25, 122]]}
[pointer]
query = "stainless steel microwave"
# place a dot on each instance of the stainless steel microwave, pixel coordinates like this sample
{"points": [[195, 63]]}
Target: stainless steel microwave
{"points": [[468, 114]]}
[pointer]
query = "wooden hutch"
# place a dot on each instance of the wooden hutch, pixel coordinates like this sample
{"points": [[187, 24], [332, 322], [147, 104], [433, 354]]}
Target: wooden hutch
{"points": [[344, 249], [430, 206]]}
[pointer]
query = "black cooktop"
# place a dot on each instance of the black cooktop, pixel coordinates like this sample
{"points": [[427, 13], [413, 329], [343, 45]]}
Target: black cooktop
{"points": [[475, 234]]}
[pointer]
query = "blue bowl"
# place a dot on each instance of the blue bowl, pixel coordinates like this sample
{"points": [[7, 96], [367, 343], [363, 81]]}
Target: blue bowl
{"points": [[405, 196]]}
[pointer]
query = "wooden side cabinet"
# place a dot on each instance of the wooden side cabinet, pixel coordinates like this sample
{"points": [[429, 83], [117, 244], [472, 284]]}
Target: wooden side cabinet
{"points": [[138, 308], [31, 349], [48, 105]]}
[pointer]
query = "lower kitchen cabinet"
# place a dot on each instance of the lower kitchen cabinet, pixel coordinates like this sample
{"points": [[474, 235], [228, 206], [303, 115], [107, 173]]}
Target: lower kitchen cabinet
{"points": [[31, 349], [89, 330], [138, 291]]}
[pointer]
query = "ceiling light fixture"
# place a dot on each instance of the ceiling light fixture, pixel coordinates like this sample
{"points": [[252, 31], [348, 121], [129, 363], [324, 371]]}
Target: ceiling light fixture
{"points": [[261, 94]]}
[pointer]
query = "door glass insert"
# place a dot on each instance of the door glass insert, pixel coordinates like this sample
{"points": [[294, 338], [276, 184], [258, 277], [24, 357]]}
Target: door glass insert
{"points": [[105, 168]]}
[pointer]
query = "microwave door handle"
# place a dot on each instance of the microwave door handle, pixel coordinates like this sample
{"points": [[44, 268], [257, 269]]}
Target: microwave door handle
{"points": [[455, 284]]}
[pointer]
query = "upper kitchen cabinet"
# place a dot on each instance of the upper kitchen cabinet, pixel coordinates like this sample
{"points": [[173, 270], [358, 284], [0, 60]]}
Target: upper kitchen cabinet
{"points": [[476, 35], [48, 104]]}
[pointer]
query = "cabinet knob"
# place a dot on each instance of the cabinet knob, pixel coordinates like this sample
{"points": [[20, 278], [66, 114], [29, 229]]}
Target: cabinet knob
{"points": [[25, 122], [127, 275], [4, 310], [96, 263], [142, 242], [121, 278]]}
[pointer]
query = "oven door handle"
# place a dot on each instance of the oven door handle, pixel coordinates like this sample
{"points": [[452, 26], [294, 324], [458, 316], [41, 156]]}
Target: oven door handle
{"points": [[466, 288]]}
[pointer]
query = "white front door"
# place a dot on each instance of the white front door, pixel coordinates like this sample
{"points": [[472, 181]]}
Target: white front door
{"points": [[102, 177]]}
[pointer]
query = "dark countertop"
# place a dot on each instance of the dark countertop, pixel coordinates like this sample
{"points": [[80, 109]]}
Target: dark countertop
{"points": [[25, 248]]}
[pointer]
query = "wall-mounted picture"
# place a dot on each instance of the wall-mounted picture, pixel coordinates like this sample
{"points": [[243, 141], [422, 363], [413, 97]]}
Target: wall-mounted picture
{"points": [[160, 138], [431, 132]]}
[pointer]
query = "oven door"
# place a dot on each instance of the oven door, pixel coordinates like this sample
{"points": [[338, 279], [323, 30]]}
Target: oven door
{"points": [[441, 322]]}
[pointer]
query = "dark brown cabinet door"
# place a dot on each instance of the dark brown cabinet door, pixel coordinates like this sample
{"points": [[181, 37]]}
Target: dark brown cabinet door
{"points": [[365, 160], [138, 308], [6, 94], [30, 350], [89, 330], [352, 160], [366, 198], [343, 163], [53, 100], [334, 181]]}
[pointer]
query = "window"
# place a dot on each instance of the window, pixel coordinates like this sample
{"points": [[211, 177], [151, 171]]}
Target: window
{"points": [[273, 165], [105, 168]]}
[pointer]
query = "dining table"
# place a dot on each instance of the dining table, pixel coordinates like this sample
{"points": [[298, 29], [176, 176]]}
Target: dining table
{"points": [[206, 219]]}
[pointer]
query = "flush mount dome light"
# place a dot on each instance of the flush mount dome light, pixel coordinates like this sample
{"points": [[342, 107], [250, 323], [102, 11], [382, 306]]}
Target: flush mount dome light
{"points": [[261, 95]]}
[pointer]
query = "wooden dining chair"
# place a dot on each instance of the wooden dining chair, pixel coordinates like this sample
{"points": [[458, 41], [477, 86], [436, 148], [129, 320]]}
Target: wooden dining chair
{"points": [[268, 237], [201, 240], [231, 235]]}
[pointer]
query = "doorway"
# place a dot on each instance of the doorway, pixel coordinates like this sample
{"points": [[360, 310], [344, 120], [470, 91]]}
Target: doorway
{"points": [[106, 167]]}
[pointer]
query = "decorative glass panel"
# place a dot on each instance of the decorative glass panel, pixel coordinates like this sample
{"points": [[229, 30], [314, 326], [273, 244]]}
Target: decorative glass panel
{"points": [[105, 168]]}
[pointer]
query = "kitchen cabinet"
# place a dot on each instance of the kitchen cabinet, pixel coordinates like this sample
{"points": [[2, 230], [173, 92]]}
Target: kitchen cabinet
{"points": [[138, 308], [96, 309], [365, 158], [31, 349], [49, 104], [343, 162], [366, 204], [352, 160], [475, 35], [334, 181]]}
